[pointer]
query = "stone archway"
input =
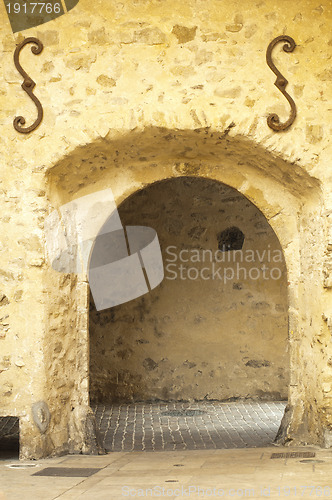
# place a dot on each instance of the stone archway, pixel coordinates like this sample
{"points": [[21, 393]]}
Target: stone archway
{"points": [[285, 194]]}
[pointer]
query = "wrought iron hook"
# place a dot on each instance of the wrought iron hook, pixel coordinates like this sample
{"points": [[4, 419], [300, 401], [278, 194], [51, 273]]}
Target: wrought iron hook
{"points": [[28, 85], [273, 120]]}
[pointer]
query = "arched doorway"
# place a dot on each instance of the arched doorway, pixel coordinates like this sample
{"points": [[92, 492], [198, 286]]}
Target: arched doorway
{"points": [[214, 332], [287, 196]]}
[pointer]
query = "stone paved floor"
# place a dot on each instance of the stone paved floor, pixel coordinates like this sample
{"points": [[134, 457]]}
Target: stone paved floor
{"points": [[228, 474], [147, 427]]}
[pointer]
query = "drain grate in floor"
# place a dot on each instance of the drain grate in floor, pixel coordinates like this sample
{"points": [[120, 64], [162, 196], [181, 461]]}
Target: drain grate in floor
{"points": [[294, 454], [66, 472], [182, 413]]}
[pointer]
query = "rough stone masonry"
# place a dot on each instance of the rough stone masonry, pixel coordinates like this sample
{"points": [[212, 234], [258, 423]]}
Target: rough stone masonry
{"points": [[140, 91]]}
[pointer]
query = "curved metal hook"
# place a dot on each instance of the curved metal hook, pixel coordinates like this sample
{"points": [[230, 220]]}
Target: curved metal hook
{"points": [[28, 86], [273, 120]]}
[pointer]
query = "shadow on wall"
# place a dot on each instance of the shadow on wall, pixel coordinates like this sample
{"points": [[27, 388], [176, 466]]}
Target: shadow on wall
{"points": [[217, 326], [146, 154]]}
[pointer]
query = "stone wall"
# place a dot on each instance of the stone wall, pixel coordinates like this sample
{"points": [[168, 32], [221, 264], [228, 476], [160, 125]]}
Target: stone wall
{"points": [[203, 333], [140, 91]]}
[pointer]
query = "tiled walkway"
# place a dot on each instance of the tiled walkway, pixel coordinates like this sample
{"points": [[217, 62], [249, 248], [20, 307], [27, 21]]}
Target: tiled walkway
{"points": [[185, 426], [205, 474]]}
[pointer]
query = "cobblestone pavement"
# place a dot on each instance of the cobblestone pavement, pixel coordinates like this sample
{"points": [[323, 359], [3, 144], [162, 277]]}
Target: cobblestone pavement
{"points": [[188, 426]]}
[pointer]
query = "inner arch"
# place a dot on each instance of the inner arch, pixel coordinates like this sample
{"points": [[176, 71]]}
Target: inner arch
{"points": [[203, 334]]}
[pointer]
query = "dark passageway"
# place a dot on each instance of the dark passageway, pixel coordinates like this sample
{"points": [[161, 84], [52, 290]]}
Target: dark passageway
{"points": [[212, 336]]}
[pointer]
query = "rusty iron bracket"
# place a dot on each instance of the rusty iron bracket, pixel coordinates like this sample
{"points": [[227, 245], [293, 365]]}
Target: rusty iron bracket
{"points": [[28, 85], [273, 120]]}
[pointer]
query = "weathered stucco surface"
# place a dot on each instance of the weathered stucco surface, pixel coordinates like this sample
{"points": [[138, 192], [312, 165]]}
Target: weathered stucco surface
{"points": [[140, 91], [203, 333]]}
